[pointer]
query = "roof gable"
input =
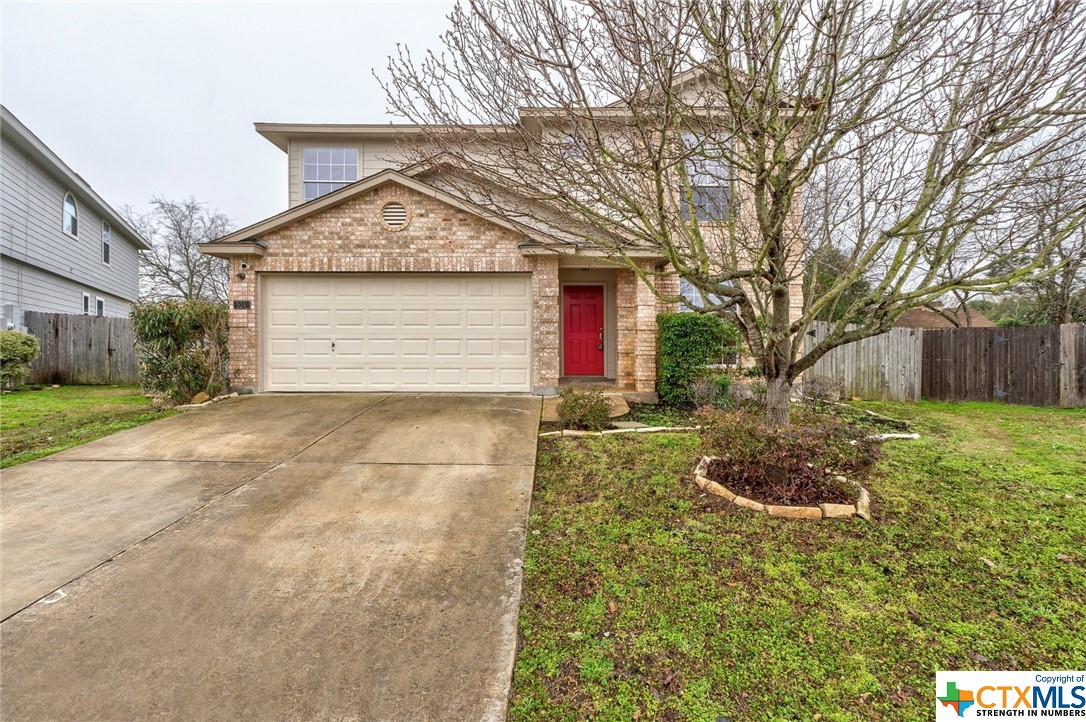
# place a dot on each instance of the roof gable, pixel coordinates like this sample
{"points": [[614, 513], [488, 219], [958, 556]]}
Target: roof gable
{"points": [[250, 234]]}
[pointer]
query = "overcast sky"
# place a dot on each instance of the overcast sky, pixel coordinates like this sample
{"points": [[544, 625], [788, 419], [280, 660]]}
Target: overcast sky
{"points": [[157, 98]]}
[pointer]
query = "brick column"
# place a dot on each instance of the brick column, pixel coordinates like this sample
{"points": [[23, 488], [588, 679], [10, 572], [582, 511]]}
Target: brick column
{"points": [[626, 320], [243, 341], [545, 309], [645, 345]]}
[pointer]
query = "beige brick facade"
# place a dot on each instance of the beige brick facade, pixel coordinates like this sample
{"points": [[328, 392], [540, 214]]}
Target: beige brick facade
{"points": [[349, 238]]}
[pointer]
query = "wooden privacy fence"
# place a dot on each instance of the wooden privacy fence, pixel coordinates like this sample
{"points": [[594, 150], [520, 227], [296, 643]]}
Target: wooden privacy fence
{"points": [[884, 367], [83, 349], [1033, 365]]}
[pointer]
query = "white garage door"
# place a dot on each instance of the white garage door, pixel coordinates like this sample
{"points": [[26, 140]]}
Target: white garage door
{"points": [[393, 332]]}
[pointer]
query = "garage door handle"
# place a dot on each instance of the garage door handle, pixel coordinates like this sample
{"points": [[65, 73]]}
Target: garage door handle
{"points": [[333, 345]]}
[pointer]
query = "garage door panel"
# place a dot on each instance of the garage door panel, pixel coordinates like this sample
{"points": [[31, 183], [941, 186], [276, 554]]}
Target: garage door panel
{"points": [[440, 332], [382, 348], [350, 348], [448, 288], [513, 348], [317, 348], [448, 318], [415, 318], [481, 347], [284, 317], [480, 288], [481, 318], [448, 377], [415, 347], [348, 318], [284, 347], [349, 376], [382, 318], [317, 318], [448, 347], [510, 318]]}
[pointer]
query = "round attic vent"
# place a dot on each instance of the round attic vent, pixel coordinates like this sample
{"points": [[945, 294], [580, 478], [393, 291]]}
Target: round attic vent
{"points": [[393, 216]]}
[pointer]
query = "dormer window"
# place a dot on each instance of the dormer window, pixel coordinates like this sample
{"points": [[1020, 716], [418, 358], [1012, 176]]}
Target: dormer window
{"points": [[71, 215], [327, 169], [709, 176]]}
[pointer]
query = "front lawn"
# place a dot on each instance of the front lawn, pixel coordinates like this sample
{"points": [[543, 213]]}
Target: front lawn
{"points": [[38, 423], [644, 599]]}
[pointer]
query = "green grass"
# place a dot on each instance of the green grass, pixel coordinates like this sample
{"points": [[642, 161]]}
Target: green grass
{"points": [[34, 424], [644, 599]]}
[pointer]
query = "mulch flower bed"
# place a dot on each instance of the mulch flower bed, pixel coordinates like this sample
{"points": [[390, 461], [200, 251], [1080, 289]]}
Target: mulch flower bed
{"points": [[775, 486]]}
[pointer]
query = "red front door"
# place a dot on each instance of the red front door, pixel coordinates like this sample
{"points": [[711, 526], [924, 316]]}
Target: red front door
{"points": [[582, 315]]}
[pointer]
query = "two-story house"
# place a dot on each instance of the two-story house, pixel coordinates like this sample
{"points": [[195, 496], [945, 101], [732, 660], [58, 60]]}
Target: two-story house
{"points": [[63, 249], [382, 277]]}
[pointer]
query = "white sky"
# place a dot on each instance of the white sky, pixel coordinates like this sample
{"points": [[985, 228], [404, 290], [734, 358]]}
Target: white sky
{"points": [[159, 98]]}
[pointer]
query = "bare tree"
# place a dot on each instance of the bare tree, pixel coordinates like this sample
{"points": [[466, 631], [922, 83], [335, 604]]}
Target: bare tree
{"points": [[174, 267], [688, 129], [1055, 298]]}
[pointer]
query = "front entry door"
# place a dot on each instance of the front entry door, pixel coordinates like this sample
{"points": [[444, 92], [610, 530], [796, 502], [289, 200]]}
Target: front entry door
{"points": [[582, 309]]}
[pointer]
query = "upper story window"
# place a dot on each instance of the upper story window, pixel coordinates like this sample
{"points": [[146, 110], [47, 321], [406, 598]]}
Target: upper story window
{"points": [[710, 179], [71, 215], [327, 169], [106, 238]]}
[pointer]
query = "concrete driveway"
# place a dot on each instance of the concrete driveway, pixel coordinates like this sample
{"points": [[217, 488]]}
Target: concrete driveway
{"points": [[272, 557]]}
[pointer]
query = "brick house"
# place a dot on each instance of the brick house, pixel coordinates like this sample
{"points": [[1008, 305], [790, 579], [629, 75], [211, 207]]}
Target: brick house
{"points": [[377, 279]]}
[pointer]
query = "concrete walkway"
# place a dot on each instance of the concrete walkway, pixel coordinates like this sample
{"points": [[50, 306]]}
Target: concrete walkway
{"points": [[272, 557]]}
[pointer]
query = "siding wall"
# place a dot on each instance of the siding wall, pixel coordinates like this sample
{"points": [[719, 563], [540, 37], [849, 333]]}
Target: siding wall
{"points": [[31, 236], [31, 289], [373, 156]]}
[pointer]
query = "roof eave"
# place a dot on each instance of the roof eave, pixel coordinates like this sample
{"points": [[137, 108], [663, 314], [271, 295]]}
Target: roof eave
{"points": [[25, 139], [249, 247]]}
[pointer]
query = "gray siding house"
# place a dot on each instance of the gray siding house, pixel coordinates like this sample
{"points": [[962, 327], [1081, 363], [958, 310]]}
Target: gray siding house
{"points": [[62, 248]]}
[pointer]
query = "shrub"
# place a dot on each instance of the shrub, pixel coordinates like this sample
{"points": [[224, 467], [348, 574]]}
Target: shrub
{"points": [[687, 342], [585, 409], [817, 387], [710, 390], [17, 351], [181, 347], [785, 462]]}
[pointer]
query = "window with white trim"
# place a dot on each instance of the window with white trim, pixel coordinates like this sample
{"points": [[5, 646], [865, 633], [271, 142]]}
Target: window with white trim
{"points": [[86, 304], [709, 175], [327, 169], [106, 239], [99, 307], [71, 215]]}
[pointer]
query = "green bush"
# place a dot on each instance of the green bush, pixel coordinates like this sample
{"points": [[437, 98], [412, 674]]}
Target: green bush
{"points": [[687, 342], [17, 351], [711, 390], [585, 409], [181, 347]]}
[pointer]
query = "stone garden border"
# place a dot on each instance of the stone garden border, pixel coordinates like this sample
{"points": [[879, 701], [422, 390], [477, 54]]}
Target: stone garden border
{"points": [[610, 432], [861, 508]]}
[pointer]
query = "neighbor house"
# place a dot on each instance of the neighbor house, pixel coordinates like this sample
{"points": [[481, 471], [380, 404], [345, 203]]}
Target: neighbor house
{"points": [[378, 277], [63, 249], [941, 317]]}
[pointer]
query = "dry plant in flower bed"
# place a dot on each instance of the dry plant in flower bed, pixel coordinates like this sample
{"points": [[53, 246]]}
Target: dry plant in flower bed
{"points": [[796, 465]]}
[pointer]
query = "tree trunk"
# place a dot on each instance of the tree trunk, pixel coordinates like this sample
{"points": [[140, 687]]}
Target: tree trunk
{"points": [[778, 402]]}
